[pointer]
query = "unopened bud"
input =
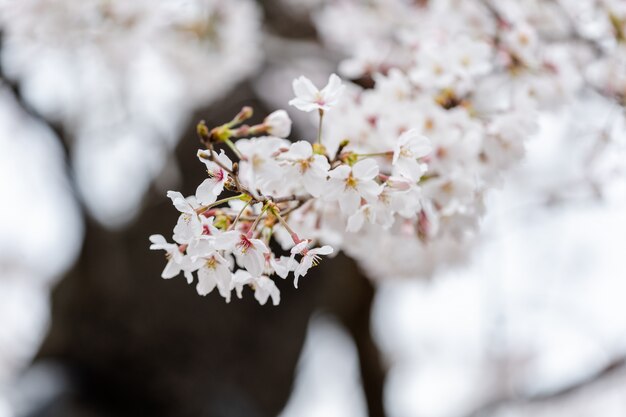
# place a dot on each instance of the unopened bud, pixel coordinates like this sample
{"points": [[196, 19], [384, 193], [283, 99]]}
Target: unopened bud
{"points": [[278, 124], [203, 131], [244, 114]]}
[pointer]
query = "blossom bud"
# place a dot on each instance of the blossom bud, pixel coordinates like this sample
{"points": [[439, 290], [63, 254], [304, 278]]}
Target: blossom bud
{"points": [[278, 124], [203, 131], [244, 114]]}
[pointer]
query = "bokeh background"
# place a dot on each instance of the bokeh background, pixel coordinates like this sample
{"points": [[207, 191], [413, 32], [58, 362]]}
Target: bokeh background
{"points": [[98, 103]]}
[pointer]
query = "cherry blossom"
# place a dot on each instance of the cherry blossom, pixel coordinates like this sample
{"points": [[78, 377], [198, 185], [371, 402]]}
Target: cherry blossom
{"points": [[215, 272], [411, 146], [348, 185], [207, 192], [309, 98], [311, 169], [310, 257]]}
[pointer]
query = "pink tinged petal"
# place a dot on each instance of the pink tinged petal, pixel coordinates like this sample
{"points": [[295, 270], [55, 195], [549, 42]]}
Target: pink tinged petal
{"points": [[203, 156], [300, 150], [283, 266], [223, 276], [304, 88], [201, 248], [355, 222], [266, 288], [303, 105], [332, 91], [205, 192], [179, 202], [260, 246], [303, 267], [408, 136], [324, 250], [396, 155], [159, 243], [187, 227], [334, 190], [254, 262], [369, 190], [320, 164], [313, 184], [297, 249], [410, 169], [365, 169], [227, 240], [421, 147], [171, 270], [206, 281], [225, 160], [341, 172], [239, 279], [157, 240], [349, 201]]}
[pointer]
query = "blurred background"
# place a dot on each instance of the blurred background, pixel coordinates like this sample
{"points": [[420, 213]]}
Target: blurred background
{"points": [[98, 105]]}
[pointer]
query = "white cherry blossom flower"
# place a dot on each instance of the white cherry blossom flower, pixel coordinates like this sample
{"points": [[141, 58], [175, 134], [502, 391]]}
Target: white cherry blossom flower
{"points": [[260, 169], [281, 266], [187, 228], [188, 225], [348, 185], [310, 257], [309, 97], [176, 260], [207, 192], [365, 213], [411, 146], [263, 287], [250, 251], [215, 272], [182, 204], [311, 169]]}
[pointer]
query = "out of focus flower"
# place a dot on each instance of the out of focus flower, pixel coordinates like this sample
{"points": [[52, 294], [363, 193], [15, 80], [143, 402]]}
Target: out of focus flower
{"points": [[411, 146]]}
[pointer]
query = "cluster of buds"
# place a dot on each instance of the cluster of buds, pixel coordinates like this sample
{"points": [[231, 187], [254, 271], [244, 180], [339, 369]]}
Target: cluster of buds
{"points": [[265, 184]]}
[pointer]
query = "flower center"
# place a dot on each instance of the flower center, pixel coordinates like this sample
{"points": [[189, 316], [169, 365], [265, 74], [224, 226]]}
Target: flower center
{"points": [[211, 263], [244, 244], [351, 182], [216, 175], [304, 164]]}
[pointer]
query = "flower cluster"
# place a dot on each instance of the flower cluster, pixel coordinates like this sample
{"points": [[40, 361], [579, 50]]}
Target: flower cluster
{"points": [[472, 76], [404, 155], [266, 184]]}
